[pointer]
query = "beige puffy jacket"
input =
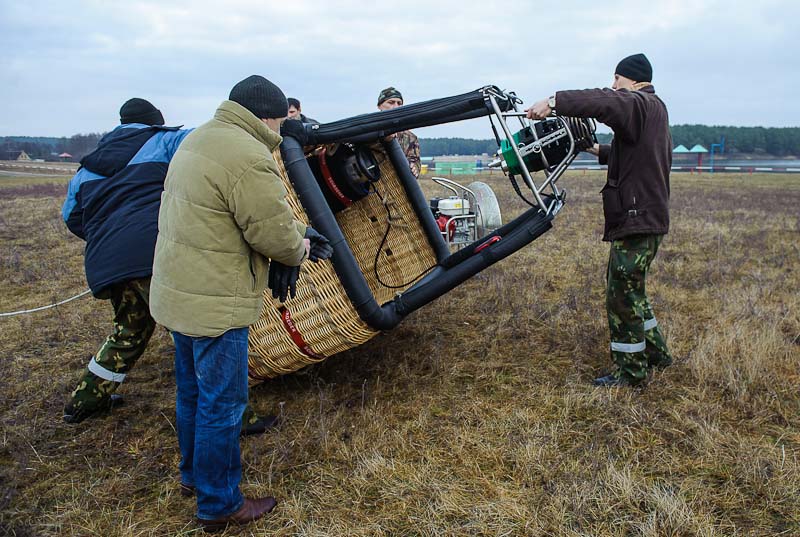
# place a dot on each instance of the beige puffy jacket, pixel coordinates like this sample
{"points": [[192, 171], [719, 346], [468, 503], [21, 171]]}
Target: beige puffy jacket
{"points": [[223, 214]]}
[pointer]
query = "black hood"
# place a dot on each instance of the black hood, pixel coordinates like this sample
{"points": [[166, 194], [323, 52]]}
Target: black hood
{"points": [[116, 149]]}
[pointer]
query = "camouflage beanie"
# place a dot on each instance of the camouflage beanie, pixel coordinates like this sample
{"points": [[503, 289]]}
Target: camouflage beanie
{"points": [[389, 93]]}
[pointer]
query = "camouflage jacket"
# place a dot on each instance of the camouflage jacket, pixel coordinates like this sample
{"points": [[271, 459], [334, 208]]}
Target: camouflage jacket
{"points": [[410, 144]]}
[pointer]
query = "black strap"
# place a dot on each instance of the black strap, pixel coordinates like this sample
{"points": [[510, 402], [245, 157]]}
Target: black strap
{"points": [[518, 191]]}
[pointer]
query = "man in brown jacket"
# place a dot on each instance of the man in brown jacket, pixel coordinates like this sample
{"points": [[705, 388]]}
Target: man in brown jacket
{"points": [[635, 206]]}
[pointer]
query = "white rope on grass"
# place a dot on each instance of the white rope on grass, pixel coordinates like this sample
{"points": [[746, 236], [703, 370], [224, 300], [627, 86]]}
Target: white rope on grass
{"points": [[12, 313]]}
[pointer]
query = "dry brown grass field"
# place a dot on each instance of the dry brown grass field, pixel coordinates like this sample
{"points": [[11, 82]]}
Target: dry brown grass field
{"points": [[476, 416]]}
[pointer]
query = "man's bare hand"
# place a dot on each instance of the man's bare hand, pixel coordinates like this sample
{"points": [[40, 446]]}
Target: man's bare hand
{"points": [[540, 110], [594, 150]]}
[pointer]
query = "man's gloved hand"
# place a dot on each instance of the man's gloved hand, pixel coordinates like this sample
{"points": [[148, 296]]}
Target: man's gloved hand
{"points": [[282, 280], [320, 251], [320, 246], [295, 129]]}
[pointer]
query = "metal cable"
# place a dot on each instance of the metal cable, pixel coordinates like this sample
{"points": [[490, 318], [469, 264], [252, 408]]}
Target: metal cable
{"points": [[20, 312], [383, 242]]}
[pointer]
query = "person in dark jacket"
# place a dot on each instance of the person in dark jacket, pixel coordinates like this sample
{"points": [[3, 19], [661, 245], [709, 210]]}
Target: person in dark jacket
{"points": [[112, 203], [296, 112], [635, 206]]}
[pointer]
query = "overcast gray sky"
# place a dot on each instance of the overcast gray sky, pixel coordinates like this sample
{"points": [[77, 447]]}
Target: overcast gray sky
{"points": [[68, 66]]}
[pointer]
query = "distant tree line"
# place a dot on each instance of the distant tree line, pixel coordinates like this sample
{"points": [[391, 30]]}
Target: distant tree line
{"points": [[434, 147], [47, 148], [777, 142]]}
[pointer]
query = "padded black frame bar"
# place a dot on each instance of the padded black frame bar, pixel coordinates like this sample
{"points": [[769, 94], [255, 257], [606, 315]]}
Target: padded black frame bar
{"points": [[323, 220], [526, 229], [377, 125]]}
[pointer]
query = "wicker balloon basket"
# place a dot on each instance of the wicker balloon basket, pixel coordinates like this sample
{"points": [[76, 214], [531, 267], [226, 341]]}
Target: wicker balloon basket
{"points": [[321, 320]]}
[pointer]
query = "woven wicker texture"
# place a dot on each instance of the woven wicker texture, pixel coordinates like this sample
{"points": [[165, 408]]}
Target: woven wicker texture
{"points": [[323, 316]]}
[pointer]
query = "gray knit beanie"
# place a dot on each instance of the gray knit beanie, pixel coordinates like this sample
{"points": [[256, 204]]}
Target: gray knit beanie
{"points": [[263, 98]]}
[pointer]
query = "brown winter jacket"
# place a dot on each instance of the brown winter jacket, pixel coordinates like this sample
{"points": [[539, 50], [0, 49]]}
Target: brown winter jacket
{"points": [[636, 194]]}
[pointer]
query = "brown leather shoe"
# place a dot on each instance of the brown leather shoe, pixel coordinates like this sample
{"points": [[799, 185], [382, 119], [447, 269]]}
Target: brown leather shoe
{"points": [[252, 509]]}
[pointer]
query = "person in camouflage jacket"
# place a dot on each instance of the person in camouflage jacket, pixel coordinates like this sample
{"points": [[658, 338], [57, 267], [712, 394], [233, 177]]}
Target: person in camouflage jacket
{"points": [[391, 98]]}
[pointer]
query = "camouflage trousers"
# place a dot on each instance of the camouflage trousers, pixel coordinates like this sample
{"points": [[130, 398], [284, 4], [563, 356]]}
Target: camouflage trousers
{"points": [[637, 343], [133, 327]]}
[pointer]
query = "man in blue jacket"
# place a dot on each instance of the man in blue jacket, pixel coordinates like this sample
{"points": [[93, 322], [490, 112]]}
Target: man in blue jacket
{"points": [[112, 203]]}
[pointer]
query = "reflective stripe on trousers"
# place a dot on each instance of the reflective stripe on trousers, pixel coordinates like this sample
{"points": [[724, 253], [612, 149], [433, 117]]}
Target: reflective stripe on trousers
{"points": [[104, 373], [649, 324], [628, 347]]}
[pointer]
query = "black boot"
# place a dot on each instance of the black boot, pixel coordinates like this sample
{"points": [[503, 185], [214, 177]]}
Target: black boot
{"points": [[76, 414], [662, 363], [252, 423], [613, 381]]}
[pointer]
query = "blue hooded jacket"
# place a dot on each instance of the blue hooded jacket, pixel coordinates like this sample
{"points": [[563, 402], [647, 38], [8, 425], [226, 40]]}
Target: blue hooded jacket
{"points": [[113, 200]]}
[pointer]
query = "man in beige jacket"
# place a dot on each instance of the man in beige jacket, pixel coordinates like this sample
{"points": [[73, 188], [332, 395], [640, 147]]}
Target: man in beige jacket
{"points": [[223, 215]]}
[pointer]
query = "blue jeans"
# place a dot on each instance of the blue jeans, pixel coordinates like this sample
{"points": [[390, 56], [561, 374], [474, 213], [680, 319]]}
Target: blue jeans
{"points": [[211, 374]]}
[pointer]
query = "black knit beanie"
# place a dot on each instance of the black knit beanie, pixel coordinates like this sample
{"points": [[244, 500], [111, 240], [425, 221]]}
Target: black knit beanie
{"points": [[389, 93], [636, 67], [263, 98], [140, 111]]}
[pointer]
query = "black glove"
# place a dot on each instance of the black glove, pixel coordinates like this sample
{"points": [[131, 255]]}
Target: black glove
{"points": [[295, 129], [320, 251], [320, 246], [282, 280]]}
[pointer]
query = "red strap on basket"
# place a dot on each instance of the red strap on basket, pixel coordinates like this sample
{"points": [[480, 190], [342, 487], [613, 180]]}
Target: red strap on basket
{"points": [[294, 333], [328, 178], [488, 243]]}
